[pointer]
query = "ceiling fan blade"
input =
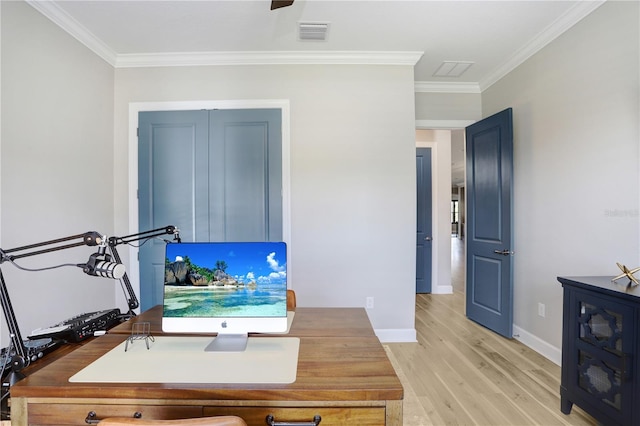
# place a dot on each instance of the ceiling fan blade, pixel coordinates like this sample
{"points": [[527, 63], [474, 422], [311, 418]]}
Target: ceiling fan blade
{"points": [[276, 4]]}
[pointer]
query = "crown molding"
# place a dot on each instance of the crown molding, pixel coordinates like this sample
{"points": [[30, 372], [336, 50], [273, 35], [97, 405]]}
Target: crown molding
{"points": [[61, 18], [574, 15], [446, 87], [267, 58], [443, 124]]}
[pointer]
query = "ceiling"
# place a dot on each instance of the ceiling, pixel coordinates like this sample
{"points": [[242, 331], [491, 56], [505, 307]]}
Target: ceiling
{"points": [[494, 36]]}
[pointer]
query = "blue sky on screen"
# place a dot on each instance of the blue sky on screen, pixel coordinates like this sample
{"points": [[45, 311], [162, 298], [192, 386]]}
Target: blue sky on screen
{"points": [[262, 262]]}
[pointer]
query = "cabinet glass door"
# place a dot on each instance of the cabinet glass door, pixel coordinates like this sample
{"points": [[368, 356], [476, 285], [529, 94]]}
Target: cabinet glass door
{"points": [[604, 340]]}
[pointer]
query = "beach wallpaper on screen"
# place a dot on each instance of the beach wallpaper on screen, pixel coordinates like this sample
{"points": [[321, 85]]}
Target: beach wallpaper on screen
{"points": [[242, 279]]}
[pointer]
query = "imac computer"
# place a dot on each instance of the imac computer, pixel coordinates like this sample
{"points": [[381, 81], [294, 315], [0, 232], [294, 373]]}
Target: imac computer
{"points": [[228, 288]]}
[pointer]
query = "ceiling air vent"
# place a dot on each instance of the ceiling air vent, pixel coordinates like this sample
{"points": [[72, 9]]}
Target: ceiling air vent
{"points": [[452, 69], [313, 31]]}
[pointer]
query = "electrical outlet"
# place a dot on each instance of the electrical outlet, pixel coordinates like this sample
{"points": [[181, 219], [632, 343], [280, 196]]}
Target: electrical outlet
{"points": [[541, 309], [369, 302]]}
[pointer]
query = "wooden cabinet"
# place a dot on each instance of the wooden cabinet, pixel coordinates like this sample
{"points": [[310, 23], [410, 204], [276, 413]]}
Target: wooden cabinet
{"points": [[83, 412], [600, 343]]}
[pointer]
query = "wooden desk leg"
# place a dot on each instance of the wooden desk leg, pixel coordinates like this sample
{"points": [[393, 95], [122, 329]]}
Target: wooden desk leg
{"points": [[394, 413], [19, 413]]}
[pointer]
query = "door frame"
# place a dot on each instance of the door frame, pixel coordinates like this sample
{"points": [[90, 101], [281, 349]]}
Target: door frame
{"points": [[439, 230], [136, 107]]}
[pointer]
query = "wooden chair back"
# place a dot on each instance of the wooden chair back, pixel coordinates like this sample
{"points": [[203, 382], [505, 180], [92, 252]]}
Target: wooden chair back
{"points": [[291, 300]]}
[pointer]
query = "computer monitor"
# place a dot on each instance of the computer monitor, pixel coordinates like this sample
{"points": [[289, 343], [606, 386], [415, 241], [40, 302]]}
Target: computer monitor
{"points": [[229, 288]]}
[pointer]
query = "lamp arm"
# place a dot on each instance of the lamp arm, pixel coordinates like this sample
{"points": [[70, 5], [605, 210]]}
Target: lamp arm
{"points": [[132, 300], [167, 230], [20, 359], [90, 238]]}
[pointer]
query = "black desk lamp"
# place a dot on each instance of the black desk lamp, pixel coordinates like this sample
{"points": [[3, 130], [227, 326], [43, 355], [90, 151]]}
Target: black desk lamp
{"points": [[99, 264]]}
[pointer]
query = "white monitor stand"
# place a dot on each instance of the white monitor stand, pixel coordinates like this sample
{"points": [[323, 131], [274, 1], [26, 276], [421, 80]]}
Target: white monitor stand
{"points": [[228, 342]]}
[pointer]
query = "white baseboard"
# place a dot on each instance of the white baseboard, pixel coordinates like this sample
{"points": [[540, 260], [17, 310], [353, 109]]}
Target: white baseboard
{"points": [[442, 289], [545, 349], [396, 335], [408, 335]]}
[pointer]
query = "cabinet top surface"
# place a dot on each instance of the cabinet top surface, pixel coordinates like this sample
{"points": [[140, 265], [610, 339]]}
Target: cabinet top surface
{"points": [[604, 284]]}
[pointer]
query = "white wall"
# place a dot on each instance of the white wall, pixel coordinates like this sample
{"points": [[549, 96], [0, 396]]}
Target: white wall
{"points": [[448, 106], [576, 139], [352, 173], [56, 164]]}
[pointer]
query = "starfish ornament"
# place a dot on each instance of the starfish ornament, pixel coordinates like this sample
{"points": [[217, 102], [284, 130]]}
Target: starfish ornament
{"points": [[626, 272]]}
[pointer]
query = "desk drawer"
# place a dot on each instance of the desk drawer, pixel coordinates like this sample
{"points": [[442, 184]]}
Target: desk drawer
{"points": [[76, 414], [255, 416]]}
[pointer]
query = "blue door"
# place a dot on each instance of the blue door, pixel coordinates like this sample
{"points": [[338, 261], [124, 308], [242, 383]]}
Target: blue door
{"points": [[172, 148], [216, 175], [245, 176], [424, 234], [489, 168]]}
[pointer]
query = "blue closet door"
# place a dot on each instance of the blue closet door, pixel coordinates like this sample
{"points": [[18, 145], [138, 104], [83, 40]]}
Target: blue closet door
{"points": [[245, 179], [216, 175]]}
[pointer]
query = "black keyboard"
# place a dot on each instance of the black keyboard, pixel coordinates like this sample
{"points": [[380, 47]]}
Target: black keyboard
{"points": [[80, 327]]}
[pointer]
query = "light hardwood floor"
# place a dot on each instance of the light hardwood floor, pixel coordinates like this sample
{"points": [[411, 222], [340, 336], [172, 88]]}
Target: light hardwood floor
{"points": [[460, 373]]}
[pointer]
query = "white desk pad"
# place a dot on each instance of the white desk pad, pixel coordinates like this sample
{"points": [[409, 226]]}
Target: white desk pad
{"points": [[182, 359]]}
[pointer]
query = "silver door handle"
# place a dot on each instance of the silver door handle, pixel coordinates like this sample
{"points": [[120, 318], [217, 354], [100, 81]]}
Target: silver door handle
{"points": [[505, 252], [428, 238]]}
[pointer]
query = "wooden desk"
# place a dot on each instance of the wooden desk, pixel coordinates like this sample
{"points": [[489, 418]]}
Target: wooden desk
{"points": [[346, 378]]}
